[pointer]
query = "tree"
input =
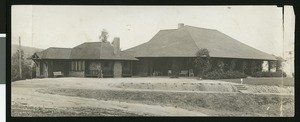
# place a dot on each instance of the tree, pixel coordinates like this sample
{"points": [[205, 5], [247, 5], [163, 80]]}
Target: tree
{"points": [[202, 62], [244, 66], [26, 67], [279, 63], [232, 64], [104, 35], [221, 65]]}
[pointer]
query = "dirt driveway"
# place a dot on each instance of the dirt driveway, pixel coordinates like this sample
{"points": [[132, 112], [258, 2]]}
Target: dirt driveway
{"points": [[146, 97], [27, 101]]}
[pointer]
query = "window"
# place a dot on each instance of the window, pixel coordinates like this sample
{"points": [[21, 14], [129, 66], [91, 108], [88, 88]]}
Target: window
{"points": [[77, 66]]}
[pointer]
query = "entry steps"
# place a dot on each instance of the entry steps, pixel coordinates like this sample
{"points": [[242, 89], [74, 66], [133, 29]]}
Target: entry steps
{"points": [[241, 88]]}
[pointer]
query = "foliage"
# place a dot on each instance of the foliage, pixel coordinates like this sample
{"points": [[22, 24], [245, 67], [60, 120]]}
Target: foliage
{"points": [[269, 74], [273, 64], [244, 66], [220, 65], [218, 74], [26, 67], [279, 62], [104, 35], [232, 65], [202, 62]]}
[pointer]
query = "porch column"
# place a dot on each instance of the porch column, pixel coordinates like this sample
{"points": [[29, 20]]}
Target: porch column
{"points": [[45, 67], [253, 66], [131, 67], [37, 70], [244, 63], [175, 68], [269, 66], [117, 70]]}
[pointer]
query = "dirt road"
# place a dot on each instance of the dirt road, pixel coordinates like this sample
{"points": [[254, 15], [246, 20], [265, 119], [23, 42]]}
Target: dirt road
{"points": [[25, 93]]}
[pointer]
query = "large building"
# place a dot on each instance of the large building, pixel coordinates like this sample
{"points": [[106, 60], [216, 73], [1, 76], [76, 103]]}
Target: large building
{"points": [[178, 47], [84, 59], [168, 51]]}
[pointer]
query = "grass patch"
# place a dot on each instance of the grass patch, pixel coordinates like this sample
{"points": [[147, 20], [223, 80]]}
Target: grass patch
{"points": [[287, 81], [226, 103], [19, 110]]}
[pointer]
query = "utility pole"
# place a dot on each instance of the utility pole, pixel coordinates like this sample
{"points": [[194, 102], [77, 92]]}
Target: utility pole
{"points": [[20, 58]]}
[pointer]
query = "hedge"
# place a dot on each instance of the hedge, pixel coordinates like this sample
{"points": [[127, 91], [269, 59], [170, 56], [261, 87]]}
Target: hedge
{"points": [[224, 75], [269, 74]]}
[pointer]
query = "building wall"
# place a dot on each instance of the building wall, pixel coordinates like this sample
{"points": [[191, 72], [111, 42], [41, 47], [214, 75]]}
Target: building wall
{"points": [[107, 68], [126, 68], [45, 69], [76, 73], [50, 68], [141, 67], [37, 70], [117, 69]]}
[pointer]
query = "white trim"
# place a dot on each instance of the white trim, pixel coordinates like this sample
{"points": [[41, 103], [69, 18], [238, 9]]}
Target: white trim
{"points": [[2, 35], [2, 103]]}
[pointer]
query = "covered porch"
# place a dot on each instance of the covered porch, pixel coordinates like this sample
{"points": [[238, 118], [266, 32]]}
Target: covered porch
{"points": [[109, 68], [185, 66]]}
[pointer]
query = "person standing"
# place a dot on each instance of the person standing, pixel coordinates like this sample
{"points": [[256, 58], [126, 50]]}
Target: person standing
{"points": [[100, 74]]}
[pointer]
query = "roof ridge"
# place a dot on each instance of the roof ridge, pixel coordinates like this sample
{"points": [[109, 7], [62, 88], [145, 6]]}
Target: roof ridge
{"points": [[192, 38], [201, 28], [167, 29], [242, 43], [60, 47]]}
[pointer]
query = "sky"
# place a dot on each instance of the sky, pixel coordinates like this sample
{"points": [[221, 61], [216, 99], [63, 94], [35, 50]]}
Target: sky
{"points": [[68, 26]]}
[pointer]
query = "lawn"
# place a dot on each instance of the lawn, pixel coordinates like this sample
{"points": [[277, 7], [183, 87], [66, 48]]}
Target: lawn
{"points": [[287, 81], [218, 104]]}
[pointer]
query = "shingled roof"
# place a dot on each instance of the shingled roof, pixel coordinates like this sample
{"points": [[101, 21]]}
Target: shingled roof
{"points": [[98, 50], [53, 53], [187, 40], [88, 50]]}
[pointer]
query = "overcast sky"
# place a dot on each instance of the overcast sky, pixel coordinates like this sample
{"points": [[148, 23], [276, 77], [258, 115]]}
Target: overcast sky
{"points": [[68, 26]]}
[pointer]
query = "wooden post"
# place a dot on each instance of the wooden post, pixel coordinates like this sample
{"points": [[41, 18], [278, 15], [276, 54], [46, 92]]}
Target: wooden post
{"points": [[20, 59], [131, 68], [269, 66]]}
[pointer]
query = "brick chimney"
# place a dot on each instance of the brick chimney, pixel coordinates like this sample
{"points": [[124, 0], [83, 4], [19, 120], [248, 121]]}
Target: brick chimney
{"points": [[116, 45], [180, 25]]}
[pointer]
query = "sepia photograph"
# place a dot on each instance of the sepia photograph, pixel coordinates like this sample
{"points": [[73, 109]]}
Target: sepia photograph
{"points": [[101, 60]]}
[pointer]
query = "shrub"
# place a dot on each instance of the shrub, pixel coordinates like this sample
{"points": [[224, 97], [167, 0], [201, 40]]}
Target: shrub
{"points": [[26, 68], [217, 74], [202, 62], [269, 74]]}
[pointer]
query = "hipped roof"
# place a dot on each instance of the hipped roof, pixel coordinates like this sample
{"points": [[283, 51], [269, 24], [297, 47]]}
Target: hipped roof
{"points": [[186, 41], [88, 50], [53, 53]]}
